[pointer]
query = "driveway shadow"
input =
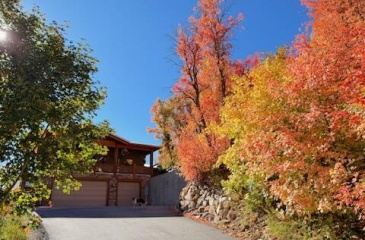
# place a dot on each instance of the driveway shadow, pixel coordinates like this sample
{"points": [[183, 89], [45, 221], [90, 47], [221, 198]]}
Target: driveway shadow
{"points": [[107, 212]]}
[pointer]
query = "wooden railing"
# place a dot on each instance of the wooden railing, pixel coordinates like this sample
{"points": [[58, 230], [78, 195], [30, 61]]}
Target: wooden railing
{"points": [[104, 167], [143, 170], [109, 168]]}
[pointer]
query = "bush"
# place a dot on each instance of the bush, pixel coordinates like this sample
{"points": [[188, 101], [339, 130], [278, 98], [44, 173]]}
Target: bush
{"points": [[316, 227], [12, 228]]}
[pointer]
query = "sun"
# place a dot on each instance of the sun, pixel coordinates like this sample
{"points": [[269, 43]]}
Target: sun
{"points": [[2, 35]]}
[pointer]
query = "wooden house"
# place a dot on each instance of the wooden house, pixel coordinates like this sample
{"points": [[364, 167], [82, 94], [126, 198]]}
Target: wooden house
{"points": [[118, 177]]}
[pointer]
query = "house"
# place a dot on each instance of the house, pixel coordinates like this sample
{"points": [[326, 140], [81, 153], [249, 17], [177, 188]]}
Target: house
{"points": [[117, 177]]}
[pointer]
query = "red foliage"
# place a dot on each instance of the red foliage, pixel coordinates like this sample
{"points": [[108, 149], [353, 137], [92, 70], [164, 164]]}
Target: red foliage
{"points": [[204, 82], [319, 143]]}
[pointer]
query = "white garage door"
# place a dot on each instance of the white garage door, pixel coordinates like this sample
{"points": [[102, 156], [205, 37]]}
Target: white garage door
{"points": [[91, 194], [127, 191]]}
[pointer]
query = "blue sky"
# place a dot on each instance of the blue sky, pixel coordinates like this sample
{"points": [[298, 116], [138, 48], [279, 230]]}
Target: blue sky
{"points": [[132, 40]]}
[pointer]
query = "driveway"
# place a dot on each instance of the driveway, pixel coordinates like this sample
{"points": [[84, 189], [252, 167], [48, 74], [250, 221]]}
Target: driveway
{"points": [[123, 223]]}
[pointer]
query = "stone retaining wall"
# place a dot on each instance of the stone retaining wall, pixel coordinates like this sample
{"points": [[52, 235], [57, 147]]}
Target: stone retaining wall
{"points": [[208, 203]]}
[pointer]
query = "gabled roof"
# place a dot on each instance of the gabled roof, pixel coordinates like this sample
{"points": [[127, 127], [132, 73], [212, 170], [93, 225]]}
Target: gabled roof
{"points": [[122, 142]]}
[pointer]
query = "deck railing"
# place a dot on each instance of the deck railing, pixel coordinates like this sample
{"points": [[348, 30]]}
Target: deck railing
{"points": [[103, 167], [126, 169]]}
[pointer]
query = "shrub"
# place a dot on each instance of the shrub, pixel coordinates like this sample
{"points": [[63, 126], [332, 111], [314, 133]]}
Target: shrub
{"points": [[12, 228], [316, 227]]}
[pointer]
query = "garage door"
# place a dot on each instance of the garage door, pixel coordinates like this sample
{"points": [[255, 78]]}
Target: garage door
{"points": [[92, 193], [127, 191]]}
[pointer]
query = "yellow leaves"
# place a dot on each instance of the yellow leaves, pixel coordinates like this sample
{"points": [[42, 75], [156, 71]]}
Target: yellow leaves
{"points": [[249, 107]]}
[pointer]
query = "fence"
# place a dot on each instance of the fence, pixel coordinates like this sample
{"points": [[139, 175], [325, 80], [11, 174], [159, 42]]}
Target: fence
{"points": [[165, 189]]}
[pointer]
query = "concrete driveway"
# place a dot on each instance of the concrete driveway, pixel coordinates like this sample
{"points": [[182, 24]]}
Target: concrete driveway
{"points": [[123, 223]]}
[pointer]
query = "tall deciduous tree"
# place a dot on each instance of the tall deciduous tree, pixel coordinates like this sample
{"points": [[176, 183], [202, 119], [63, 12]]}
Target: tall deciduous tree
{"points": [[204, 50], [324, 132], [310, 156], [249, 117], [169, 119], [47, 101]]}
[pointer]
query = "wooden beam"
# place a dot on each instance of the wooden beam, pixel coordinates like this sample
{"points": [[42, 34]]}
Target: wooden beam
{"points": [[134, 169], [116, 150], [151, 163]]}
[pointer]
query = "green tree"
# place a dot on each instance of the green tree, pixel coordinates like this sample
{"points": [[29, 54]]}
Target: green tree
{"points": [[48, 99]]}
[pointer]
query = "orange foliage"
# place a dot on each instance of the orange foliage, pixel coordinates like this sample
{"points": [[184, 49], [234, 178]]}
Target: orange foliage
{"points": [[204, 82], [296, 120], [316, 146], [324, 128], [299, 127]]}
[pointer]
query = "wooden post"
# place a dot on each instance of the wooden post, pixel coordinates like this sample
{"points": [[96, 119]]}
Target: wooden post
{"points": [[134, 169], [116, 160], [151, 163]]}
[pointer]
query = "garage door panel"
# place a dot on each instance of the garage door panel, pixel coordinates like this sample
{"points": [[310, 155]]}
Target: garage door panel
{"points": [[127, 191], [92, 193]]}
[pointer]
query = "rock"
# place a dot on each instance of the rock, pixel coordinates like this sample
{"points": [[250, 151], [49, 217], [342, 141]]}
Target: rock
{"points": [[191, 205], [210, 204], [215, 203], [188, 196], [232, 215], [225, 221], [199, 201], [205, 215], [195, 196], [211, 209], [210, 200], [204, 194], [218, 208], [223, 199], [216, 219], [184, 191], [201, 209], [226, 205], [183, 206], [224, 214]]}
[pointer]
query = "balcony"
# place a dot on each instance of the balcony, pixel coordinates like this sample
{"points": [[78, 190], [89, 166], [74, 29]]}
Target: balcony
{"points": [[126, 169]]}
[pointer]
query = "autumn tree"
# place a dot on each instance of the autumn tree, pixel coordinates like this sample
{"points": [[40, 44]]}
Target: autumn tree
{"points": [[249, 117], [324, 133], [169, 119], [304, 140], [204, 50], [47, 101]]}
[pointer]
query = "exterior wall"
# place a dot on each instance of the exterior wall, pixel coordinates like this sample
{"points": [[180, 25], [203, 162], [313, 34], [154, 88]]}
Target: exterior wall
{"points": [[165, 189]]}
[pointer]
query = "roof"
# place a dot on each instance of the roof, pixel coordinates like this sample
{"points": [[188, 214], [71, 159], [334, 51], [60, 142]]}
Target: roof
{"points": [[122, 142]]}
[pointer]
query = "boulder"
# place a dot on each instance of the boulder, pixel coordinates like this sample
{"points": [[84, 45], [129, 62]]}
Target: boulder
{"points": [[216, 219], [199, 201], [232, 215], [210, 204], [191, 205], [226, 205]]}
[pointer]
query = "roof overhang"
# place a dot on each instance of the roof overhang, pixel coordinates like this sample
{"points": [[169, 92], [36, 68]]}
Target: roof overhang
{"points": [[113, 140]]}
